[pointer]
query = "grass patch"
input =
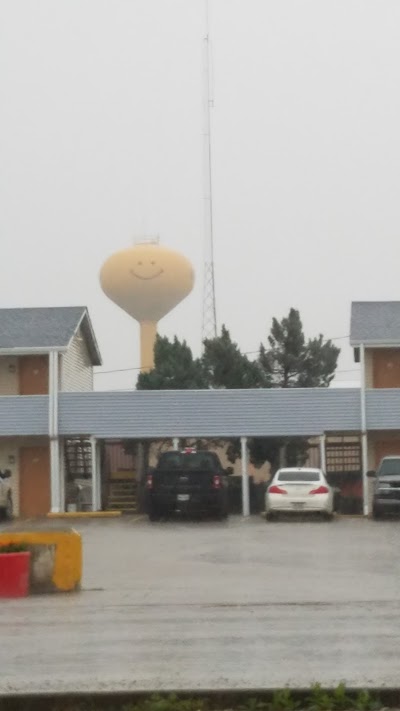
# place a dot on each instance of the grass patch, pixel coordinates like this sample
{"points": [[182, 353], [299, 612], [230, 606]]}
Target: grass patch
{"points": [[316, 699]]}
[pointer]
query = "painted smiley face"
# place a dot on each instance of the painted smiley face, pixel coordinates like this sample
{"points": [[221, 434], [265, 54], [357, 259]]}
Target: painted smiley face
{"points": [[146, 274], [147, 280]]}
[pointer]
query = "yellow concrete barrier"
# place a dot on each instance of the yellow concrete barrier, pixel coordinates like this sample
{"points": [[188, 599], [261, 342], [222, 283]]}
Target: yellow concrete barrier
{"points": [[56, 558]]}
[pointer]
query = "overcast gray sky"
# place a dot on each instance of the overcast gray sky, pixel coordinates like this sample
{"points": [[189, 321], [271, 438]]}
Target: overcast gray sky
{"points": [[101, 141]]}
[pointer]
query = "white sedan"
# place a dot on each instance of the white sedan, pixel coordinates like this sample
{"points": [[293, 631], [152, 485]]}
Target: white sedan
{"points": [[299, 490]]}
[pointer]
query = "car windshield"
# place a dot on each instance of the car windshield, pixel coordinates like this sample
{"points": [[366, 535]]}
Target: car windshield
{"points": [[199, 461], [390, 467], [301, 476]]}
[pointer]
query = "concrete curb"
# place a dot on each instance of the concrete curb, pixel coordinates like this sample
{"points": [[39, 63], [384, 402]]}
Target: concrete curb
{"points": [[342, 516], [85, 514]]}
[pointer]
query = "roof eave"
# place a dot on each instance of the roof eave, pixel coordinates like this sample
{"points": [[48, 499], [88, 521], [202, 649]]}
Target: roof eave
{"points": [[91, 341], [20, 350], [369, 343]]}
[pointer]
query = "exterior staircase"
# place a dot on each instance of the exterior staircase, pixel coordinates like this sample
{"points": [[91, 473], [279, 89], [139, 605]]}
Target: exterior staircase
{"points": [[122, 496], [78, 473], [78, 459]]}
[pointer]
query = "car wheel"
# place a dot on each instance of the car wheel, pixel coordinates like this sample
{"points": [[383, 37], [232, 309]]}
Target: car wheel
{"points": [[269, 516], [9, 508], [6, 513], [328, 516], [222, 514], [154, 516]]}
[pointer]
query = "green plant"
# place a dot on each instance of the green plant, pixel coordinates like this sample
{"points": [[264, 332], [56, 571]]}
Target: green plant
{"points": [[336, 700], [283, 700], [341, 701], [365, 702], [319, 699], [14, 548], [73, 706], [167, 703], [254, 704]]}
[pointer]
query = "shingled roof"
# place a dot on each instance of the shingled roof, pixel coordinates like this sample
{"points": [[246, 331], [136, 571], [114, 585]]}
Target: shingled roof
{"points": [[46, 329], [375, 323]]}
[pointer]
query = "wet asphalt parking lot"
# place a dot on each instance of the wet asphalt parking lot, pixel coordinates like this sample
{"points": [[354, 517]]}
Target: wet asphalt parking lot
{"points": [[208, 605]]}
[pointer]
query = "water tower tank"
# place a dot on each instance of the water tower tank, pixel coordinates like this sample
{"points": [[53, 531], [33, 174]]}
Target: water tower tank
{"points": [[147, 281]]}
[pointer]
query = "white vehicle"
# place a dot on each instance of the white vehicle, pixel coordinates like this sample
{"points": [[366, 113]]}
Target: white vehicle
{"points": [[298, 490], [6, 503]]}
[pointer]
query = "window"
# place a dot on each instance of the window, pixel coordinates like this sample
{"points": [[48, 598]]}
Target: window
{"points": [[390, 467], [199, 461], [303, 476]]}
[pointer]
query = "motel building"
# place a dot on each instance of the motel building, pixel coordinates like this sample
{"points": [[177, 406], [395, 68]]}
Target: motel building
{"points": [[65, 444]]}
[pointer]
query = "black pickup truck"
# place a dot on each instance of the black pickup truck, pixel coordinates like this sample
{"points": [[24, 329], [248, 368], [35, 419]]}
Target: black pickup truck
{"points": [[188, 482]]}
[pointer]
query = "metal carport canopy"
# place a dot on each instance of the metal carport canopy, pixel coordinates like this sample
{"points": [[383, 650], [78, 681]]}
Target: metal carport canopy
{"points": [[150, 414]]}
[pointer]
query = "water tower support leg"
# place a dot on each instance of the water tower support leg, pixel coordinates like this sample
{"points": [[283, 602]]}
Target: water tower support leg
{"points": [[148, 333]]}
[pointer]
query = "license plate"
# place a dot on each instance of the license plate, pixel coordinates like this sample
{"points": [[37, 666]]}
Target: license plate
{"points": [[183, 497], [298, 505]]}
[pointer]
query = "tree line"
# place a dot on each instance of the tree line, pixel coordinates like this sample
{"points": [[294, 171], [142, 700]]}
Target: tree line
{"points": [[289, 360]]}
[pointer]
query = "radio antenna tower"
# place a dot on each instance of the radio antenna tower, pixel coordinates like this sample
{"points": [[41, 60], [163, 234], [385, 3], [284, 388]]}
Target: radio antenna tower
{"points": [[209, 325]]}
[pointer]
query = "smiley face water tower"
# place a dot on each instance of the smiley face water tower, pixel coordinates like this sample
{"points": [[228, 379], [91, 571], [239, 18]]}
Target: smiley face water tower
{"points": [[147, 281]]}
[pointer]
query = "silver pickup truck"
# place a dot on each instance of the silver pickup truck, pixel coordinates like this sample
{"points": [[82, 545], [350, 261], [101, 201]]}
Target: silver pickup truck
{"points": [[386, 496]]}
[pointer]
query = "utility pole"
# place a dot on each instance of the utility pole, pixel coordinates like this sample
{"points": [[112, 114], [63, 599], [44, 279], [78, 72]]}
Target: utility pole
{"points": [[209, 322]]}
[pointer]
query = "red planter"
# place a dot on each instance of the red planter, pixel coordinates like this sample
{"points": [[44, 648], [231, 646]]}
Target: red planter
{"points": [[14, 574]]}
